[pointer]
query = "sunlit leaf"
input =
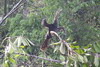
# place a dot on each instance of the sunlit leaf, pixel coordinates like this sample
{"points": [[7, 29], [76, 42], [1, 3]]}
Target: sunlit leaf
{"points": [[87, 46], [17, 55], [88, 49], [85, 59], [72, 46], [56, 48], [75, 42], [25, 42], [55, 43], [69, 39], [30, 42], [12, 60], [73, 57], [79, 51], [87, 54], [16, 41], [19, 40], [22, 46]]}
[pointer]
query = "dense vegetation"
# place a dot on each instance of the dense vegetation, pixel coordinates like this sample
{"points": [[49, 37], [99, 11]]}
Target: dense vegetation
{"points": [[22, 33]]}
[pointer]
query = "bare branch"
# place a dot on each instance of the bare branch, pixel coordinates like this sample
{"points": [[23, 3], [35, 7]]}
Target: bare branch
{"points": [[12, 10], [51, 60], [70, 51], [53, 32]]}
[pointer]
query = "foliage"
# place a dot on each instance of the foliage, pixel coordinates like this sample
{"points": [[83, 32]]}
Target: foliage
{"points": [[69, 55], [77, 17], [80, 18]]}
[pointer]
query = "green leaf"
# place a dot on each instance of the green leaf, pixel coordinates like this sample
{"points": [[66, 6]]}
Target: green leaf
{"points": [[56, 48], [79, 51], [80, 58], [62, 58], [62, 48], [73, 57], [9, 49], [55, 43], [87, 46], [19, 40], [69, 39], [30, 42], [72, 46], [96, 60], [22, 46], [22, 40], [85, 59], [12, 60], [25, 42], [75, 42], [16, 41], [97, 49], [5, 64], [17, 55], [98, 44]]}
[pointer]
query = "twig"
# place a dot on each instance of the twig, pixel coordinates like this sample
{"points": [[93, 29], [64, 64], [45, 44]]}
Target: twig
{"points": [[53, 32], [51, 60], [95, 54], [12, 11]]}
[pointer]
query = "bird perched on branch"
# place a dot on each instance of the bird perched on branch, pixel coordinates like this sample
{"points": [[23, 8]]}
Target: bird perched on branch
{"points": [[51, 27]]}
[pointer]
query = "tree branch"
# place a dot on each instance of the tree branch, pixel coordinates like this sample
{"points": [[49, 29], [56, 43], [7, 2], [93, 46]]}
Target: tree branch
{"points": [[51, 60], [12, 11], [68, 46]]}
